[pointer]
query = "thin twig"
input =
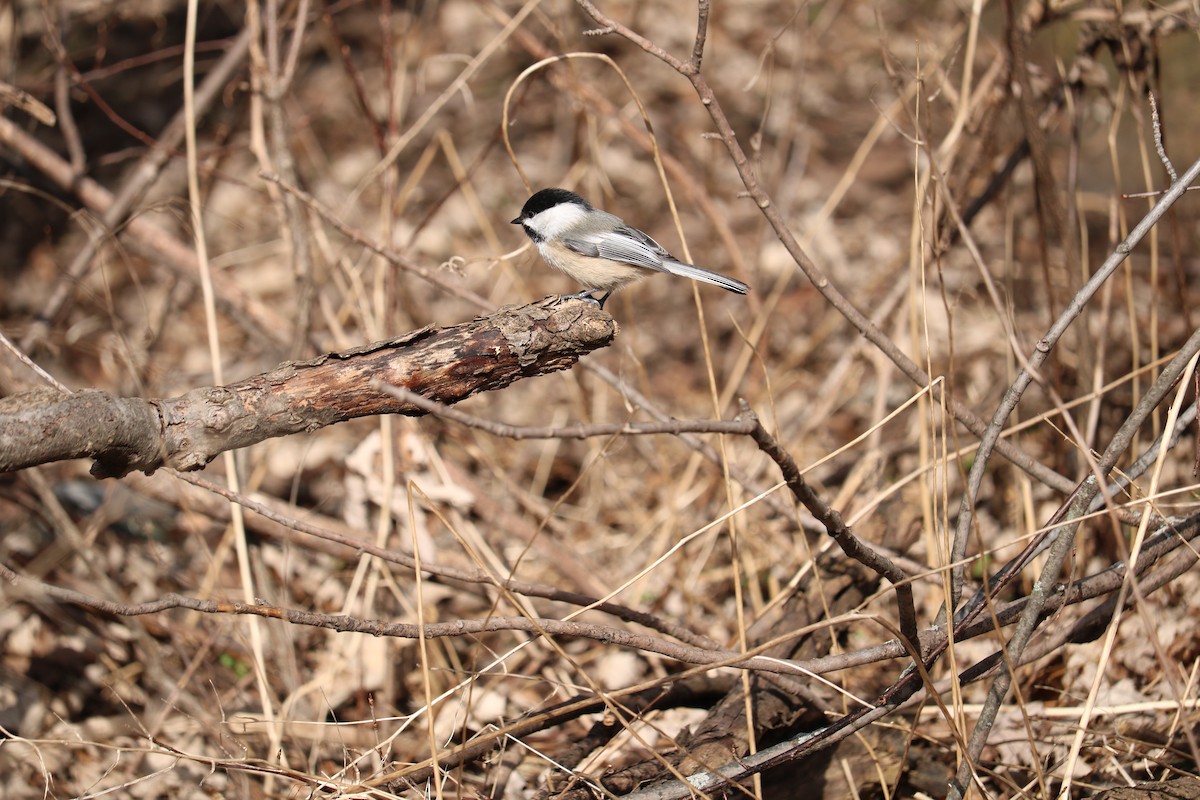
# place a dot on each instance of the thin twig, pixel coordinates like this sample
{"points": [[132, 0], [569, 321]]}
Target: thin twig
{"points": [[1158, 138], [835, 526], [293, 222], [433, 276], [62, 90], [9, 345], [579, 431]]}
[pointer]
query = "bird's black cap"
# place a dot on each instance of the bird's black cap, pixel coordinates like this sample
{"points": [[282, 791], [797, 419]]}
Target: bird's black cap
{"points": [[548, 198]]}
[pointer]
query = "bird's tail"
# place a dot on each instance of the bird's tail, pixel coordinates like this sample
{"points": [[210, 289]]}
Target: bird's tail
{"points": [[704, 276]]}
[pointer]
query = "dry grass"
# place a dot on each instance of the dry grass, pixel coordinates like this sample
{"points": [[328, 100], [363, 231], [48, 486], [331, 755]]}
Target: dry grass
{"points": [[862, 122]]}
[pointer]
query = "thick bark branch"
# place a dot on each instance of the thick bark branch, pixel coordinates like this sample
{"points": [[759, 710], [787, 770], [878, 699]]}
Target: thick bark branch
{"points": [[186, 432]]}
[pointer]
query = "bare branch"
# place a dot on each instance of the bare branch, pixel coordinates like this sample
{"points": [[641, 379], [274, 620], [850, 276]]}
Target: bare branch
{"points": [[186, 432]]}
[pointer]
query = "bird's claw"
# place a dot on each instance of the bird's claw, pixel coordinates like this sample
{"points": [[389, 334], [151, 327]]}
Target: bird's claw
{"points": [[587, 295]]}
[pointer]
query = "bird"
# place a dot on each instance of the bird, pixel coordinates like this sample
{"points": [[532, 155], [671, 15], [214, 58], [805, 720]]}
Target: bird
{"points": [[600, 250]]}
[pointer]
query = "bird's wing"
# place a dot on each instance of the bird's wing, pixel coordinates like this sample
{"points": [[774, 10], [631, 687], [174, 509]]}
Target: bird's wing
{"points": [[625, 244]]}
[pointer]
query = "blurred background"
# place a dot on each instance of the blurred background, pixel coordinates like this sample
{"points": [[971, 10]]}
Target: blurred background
{"points": [[862, 122]]}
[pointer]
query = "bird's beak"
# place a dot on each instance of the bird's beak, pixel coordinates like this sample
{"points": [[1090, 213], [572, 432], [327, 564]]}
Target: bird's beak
{"points": [[516, 221]]}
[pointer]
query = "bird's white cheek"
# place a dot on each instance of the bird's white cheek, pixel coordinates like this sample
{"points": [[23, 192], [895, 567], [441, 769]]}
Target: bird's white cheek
{"points": [[553, 222]]}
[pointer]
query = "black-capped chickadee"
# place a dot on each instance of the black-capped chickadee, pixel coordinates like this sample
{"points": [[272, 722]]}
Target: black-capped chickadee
{"points": [[598, 249]]}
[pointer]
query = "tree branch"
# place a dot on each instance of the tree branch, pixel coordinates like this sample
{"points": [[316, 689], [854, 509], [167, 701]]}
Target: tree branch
{"points": [[186, 432]]}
